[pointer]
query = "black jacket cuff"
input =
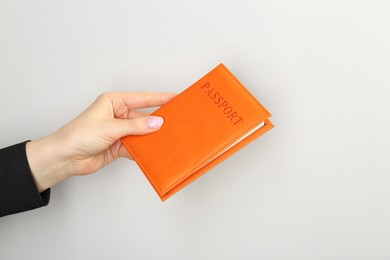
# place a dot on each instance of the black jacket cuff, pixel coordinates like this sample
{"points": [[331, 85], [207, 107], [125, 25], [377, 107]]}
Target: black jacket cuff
{"points": [[18, 191]]}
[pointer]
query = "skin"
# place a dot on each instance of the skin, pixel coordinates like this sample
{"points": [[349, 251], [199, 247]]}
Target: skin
{"points": [[91, 140]]}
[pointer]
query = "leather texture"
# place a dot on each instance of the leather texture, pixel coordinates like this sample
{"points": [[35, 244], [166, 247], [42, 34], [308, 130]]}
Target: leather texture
{"points": [[199, 124]]}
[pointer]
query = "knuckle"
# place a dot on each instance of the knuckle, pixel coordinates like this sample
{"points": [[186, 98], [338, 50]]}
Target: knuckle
{"points": [[106, 96], [137, 124]]}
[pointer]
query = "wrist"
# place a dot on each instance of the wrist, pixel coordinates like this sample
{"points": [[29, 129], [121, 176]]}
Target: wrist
{"points": [[48, 162]]}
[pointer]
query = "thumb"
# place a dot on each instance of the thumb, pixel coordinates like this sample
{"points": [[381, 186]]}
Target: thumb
{"points": [[136, 126]]}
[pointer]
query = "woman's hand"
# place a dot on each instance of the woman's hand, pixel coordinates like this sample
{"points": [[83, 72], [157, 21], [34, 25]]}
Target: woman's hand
{"points": [[91, 140]]}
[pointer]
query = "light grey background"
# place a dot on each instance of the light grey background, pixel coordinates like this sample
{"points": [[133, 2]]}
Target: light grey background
{"points": [[315, 187]]}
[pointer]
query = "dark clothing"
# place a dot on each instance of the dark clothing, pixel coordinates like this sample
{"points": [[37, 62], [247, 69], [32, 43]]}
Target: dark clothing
{"points": [[18, 191]]}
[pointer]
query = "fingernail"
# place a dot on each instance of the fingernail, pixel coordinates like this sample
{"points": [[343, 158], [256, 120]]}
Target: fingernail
{"points": [[155, 122]]}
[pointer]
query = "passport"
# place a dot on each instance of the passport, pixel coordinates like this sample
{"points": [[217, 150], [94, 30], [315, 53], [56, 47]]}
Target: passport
{"points": [[203, 125]]}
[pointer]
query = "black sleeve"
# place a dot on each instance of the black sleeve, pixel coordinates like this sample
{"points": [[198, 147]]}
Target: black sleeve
{"points": [[18, 191]]}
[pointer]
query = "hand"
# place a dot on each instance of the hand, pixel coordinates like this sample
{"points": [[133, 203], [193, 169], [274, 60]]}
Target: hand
{"points": [[91, 140]]}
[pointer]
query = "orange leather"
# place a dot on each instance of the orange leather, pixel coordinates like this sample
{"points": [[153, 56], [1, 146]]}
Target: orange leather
{"points": [[199, 124]]}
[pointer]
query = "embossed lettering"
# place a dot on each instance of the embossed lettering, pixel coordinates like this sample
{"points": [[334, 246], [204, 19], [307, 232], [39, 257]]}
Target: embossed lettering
{"points": [[222, 103]]}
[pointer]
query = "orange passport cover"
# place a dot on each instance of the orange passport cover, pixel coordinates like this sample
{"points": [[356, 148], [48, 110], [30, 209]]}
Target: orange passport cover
{"points": [[200, 126]]}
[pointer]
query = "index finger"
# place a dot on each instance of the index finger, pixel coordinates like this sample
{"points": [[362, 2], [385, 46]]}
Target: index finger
{"points": [[135, 100]]}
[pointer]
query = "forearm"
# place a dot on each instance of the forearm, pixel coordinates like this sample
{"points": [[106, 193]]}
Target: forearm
{"points": [[47, 161]]}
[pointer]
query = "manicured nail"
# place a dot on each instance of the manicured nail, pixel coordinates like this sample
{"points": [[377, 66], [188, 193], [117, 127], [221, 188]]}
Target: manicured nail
{"points": [[155, 122]]}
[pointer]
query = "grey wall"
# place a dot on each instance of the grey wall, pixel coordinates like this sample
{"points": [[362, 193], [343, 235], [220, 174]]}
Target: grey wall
{"points": [[315, 187]]}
